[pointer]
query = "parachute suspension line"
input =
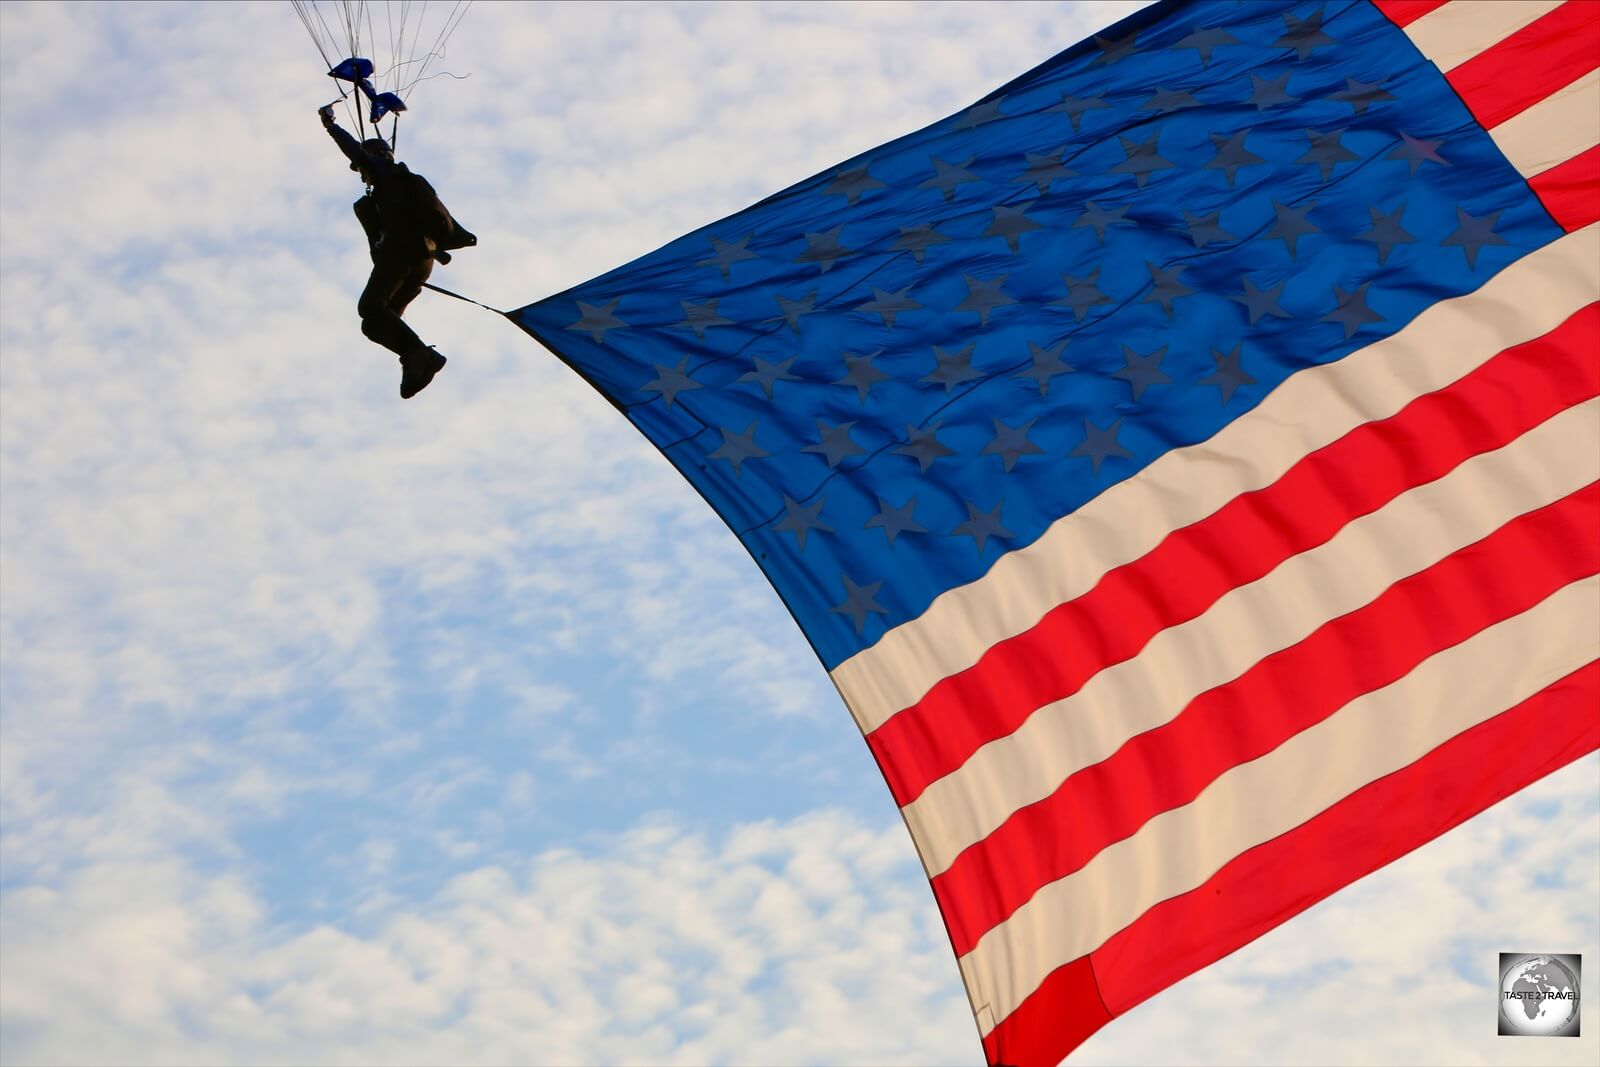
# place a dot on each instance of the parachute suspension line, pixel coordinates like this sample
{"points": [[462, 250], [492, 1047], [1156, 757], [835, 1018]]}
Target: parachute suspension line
{"points": [[372, 36], [451, 21], [305, 13], [390, 81], [348, 14], [400, 41], [352, 28], [311, 17], [311, 31], [325, 28], [440, 74], [352, 24], [411, 55]]}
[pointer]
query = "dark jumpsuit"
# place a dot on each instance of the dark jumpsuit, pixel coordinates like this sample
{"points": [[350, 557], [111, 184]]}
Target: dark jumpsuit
{"points": [[406, 227]]}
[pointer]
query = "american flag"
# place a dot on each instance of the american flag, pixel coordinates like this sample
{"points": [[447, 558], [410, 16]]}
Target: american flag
{"points": [[1184, 461]]}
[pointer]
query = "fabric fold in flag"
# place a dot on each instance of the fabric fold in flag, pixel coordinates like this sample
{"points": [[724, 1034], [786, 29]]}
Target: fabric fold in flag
{"points": [[1182, 450]]}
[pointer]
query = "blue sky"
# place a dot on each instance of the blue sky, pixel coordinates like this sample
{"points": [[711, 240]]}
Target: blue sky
{"points": [[338, 729]]}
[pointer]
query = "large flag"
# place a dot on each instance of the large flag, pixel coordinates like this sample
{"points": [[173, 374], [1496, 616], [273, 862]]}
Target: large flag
{"points": [[1184, 461]]}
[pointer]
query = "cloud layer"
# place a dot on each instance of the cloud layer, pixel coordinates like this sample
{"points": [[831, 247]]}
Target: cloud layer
{"points": [[803, 942], [812, 940]]}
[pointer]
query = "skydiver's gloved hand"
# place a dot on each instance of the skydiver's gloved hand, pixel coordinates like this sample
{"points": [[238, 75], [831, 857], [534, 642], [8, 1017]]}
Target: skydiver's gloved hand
{"points": [[326, 114]]}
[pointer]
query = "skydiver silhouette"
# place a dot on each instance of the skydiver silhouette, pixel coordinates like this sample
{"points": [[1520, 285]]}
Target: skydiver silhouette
{"points": [[407, 229]]}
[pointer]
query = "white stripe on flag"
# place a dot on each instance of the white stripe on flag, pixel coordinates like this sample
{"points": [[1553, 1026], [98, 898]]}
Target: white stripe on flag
{"points": [[1254, 802], [1562, 125], [1306, 412], [1409, 534], [1452, 34]]}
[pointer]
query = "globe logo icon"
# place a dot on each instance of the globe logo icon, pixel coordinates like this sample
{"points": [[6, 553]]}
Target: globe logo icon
{"points": [[1538, 997]]}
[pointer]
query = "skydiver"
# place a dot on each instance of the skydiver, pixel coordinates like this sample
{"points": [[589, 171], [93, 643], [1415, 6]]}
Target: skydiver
{"points": [[407, 230]]}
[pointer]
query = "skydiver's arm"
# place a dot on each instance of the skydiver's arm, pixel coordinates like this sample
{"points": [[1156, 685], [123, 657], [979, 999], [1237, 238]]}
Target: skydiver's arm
{"points": [[375, 166]]}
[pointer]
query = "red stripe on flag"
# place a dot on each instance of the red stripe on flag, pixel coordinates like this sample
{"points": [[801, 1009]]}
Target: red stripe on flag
{"points": [[1405, 12], [1277, 880], [1549, 53], [1571, 192], [1069, 1011], [1374, 826], [1246, 538], [1499, 577]]}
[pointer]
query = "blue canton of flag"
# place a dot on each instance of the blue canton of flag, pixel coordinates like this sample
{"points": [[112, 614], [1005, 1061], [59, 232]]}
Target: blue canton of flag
{"points": [[888, 375]]}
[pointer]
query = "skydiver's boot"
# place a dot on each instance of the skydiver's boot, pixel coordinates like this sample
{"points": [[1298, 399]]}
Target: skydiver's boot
{"points": [[417, 370]]}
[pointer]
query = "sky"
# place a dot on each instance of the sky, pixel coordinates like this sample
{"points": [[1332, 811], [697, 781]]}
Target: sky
{"points": [[341, 729]]}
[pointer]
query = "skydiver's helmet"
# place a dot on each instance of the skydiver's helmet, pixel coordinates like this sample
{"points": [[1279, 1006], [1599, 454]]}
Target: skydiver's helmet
{"points": [[376, 146]]}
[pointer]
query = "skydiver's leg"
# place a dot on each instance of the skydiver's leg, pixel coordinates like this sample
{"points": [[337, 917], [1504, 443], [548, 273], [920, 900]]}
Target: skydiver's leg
{"points": [[422, 363], [390, 288], [416, 273]]}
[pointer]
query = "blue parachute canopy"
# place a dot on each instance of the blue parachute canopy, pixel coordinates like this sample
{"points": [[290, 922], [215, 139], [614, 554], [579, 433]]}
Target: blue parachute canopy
{"points": [[383, 103], [353, 69]]}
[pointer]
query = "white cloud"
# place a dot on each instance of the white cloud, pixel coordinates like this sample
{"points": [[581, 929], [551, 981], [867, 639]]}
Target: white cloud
{"points": [[798, 942]]}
